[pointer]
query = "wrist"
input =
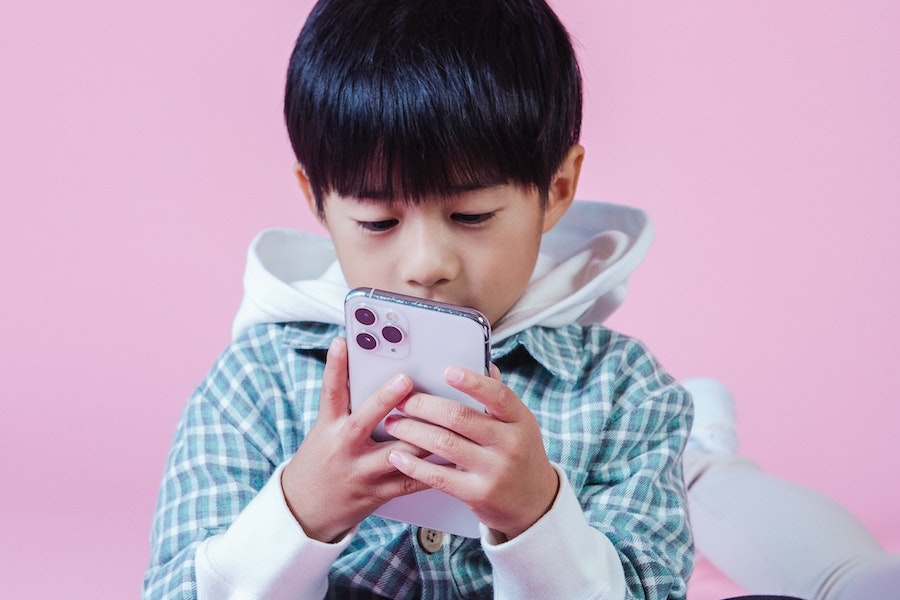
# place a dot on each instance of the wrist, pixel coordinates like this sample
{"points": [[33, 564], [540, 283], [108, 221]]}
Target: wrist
{"points": [[547, 493], [313, 528]]}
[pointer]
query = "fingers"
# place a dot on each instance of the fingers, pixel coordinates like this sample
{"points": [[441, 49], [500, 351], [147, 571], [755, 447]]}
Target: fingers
{"points": [[438, 440], [495, 372], [446, 428], [451, 429], [498, 400], [427, 474], [334, 401], [335, 397], [375, 459], [376, 407]]}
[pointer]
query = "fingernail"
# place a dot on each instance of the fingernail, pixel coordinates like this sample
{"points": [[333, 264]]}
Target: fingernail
{"points": [[397, 459], [399, 384], [454, 375], [389, 422]]}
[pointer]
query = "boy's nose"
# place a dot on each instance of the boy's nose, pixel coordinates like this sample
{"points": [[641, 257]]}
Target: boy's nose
{"points": [[430, 260]]}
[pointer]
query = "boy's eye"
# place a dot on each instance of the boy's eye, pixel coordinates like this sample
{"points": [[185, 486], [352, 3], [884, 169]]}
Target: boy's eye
{"points": [[377, 226], [472, 219]]}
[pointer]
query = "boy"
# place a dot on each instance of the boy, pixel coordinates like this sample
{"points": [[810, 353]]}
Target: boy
{"points": [[436, 141]]}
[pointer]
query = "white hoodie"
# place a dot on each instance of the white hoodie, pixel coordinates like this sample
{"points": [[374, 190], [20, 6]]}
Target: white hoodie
{"points": [[581, 274]]}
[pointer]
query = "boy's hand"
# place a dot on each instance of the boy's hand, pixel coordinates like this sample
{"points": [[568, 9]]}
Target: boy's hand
{"points": [[339, 475], [501, 468]]}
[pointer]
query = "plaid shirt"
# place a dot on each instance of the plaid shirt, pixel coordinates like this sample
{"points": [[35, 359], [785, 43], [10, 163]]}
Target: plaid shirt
{"points": [[611, 418]]}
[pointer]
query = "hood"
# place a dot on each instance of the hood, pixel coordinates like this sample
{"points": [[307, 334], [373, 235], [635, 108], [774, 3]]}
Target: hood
{"points": [[581, 273]]}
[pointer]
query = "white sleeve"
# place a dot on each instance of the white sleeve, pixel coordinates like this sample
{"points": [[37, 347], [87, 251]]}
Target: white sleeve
{"points": [[265, 554], [560, 556]]}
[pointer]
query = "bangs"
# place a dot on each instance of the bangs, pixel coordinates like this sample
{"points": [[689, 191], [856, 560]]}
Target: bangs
{"points": [[416, 145]]}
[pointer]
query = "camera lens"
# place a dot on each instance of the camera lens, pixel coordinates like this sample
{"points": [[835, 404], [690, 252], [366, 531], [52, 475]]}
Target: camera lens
{"points": [[364, 316], [366, 341], [392, 334]]}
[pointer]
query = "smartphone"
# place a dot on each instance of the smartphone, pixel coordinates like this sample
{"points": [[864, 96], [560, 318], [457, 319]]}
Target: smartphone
{"points": [[390, 333]]}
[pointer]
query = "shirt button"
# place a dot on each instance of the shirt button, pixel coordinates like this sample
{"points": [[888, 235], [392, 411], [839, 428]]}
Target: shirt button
{"points": [[430, 540]]}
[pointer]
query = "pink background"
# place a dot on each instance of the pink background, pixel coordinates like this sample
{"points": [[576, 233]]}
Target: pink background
{"points": [[141, 147]]}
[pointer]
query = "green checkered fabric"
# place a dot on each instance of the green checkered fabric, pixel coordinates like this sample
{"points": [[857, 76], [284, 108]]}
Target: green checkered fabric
{"points": [[611, 417]]}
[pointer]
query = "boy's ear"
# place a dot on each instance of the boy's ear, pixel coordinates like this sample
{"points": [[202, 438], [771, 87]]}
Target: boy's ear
{"points": [[563, 186], [303, 180]]}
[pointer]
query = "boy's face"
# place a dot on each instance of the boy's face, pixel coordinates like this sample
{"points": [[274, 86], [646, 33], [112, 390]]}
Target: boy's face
{"points": [[474, 248]]}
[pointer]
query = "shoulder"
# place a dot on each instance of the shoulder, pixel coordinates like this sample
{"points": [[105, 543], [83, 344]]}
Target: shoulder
{"points": [[269, 354], [635, 381], [640, 400], [255, 382], [259, 347], [623, 354]]}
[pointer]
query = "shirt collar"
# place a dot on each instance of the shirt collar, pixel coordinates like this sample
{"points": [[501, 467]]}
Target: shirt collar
{"points": [[560, 350], [310, 335]]}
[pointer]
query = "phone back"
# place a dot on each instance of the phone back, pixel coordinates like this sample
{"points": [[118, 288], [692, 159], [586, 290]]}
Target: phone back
{"points": [[392, 333]]}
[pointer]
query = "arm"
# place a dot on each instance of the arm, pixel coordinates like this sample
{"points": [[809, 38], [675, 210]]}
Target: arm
{"points": [[265, 552], [634, 492], [228, 521], [219, 480], [636, 495], [630, 540]]}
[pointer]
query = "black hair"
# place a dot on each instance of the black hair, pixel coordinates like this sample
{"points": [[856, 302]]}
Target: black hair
{"points": [[417, 98]]}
